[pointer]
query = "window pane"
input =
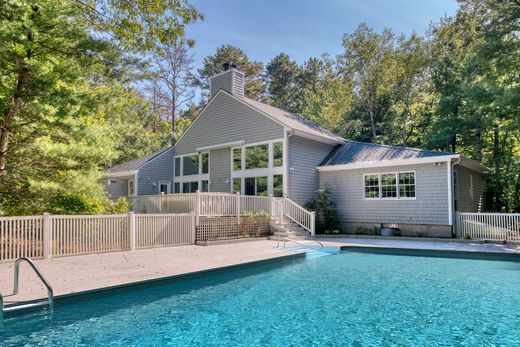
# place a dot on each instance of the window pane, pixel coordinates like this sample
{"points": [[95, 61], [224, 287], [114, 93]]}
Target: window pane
{"points": [[163, 188], [371, 186], [250, 186], [277, 154], [237, 159], [191, 165], [205, 163], [131, 188], [177, 167], [407, 185], [177, 188], [186, 187], [278, 185], [194, 187], [205, 186], [257, 157], [237, 185], [388, 186], [261, 186]]}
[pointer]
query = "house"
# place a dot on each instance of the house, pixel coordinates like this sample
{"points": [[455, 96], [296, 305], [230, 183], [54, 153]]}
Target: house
{"points": [[240, 145]]}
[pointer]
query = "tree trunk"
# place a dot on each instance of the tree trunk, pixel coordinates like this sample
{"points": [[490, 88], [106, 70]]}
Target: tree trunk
{"points": [[478, 144], [404, 119], [453, 143], [173, 114], [16, 104], [372, 117], [496, 163]]}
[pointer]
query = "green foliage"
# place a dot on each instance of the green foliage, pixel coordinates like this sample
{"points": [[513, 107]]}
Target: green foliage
{"points": [[366, 231], [325, 210], [75, 204], [121, 206], [258, 214], [283, 86]]}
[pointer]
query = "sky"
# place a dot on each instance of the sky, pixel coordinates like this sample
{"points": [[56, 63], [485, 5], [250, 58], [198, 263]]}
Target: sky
{"points": [[304, 28]]}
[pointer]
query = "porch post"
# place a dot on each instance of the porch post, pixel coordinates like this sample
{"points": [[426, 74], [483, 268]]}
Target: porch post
{"points": [[313, 223]]}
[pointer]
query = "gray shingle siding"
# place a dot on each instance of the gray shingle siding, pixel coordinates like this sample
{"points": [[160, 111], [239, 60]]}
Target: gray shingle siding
{"points": [[159, 169], [220, 170], [466, 202], [430, 206], [227, 120], [304, 156]]}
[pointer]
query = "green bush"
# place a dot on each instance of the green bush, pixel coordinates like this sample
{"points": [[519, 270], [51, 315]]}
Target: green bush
{"points": [[366, 231], [75, 204], [121, 206], [325, 209]]}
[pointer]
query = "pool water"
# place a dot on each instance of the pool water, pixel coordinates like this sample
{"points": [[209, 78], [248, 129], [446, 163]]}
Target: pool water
{"points": [[355, 299]]}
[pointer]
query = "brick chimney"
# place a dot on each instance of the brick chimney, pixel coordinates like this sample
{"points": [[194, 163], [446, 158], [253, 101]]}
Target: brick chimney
{"points": [[230, 79]]}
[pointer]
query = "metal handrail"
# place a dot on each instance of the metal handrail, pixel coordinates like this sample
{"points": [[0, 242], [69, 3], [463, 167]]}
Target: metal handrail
{"points": [[285, 239], [16, 286]]}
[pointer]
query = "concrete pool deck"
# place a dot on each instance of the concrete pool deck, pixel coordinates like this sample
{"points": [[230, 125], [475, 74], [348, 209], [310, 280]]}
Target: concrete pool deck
{"points": [[82, 273]]}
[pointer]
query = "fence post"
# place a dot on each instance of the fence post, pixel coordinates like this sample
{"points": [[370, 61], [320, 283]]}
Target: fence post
{"points": [[238, 207], [131, 231], [46, 236], [313, 223], [197, 207], [193, 227]]}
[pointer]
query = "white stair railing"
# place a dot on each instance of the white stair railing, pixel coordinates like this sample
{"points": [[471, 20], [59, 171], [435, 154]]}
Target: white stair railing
{"points": [[299, 215]]}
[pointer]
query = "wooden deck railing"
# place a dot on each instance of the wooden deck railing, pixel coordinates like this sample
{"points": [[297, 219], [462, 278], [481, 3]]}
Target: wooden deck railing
{"points": [[489, 226]]}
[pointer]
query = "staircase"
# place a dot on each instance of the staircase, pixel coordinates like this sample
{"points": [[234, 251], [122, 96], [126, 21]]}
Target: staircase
{"points": [[288, 229]]}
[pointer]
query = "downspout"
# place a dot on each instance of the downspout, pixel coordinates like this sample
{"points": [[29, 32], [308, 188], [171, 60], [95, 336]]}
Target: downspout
{"points": [[451, 211], [287, 133]]}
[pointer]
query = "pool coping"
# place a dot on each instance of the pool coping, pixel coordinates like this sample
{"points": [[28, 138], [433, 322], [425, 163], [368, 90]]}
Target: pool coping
{"points": [[94, 293], [434, 253], [404, 238]]}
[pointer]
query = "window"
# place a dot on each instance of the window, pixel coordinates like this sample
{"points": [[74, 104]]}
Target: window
{"points": [[237, 159], [278, 186], [277, 154], [237, 185], [257, 157], [177, 167], [372, 186], [407, 185], [164, 187], [131, 188], [204, 186], [256, 186], [177, 188], [191, 165], [190, 187], [205, 163], [388, 186]]}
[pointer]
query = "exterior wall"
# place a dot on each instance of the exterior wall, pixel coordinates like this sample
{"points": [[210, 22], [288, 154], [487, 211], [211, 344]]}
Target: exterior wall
{"points": [[304, 156], [158, 169], [468, 201], [429, 208], [116, 187], [220, 170], [227, 120]]}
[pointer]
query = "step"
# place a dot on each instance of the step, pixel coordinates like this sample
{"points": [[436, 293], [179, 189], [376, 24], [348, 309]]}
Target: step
{"points": [[21, 307]]}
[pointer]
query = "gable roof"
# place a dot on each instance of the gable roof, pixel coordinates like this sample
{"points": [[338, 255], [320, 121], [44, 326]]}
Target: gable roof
{"points": [[354, 151], [135, 164], [292, 120]]}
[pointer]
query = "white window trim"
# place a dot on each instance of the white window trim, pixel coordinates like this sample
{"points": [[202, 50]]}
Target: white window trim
{"points": [[396, 173], [192, 178], [268, 172], [128, 187]]}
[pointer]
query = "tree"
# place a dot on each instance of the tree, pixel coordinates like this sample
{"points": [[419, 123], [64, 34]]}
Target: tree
{"points": [[367, 62], [212, 65], [172, 69], [283, 88]]}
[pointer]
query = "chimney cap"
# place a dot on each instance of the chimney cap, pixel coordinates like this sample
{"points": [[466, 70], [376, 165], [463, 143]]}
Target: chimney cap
{"points": [[227, 65]]}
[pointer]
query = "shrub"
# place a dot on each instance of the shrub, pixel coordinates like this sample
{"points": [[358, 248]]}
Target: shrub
{"points": [[121, 206], [75, 204], [366, 231], [325, 209]]}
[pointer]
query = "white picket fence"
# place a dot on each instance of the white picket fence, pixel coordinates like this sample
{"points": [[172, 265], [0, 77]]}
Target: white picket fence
{"points": [[55, 236], [489, 226]]}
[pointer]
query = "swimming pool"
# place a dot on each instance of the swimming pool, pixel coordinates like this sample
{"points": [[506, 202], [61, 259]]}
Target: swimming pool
{"points": [[353, 299]]}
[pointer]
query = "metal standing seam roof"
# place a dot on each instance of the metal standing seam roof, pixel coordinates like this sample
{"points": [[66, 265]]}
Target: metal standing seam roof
{"points": [[354, 151], [292, 120], [137, 163]]}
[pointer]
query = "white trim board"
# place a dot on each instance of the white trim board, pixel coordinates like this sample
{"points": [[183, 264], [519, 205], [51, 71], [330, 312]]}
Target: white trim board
{"points": [[385, 163]]}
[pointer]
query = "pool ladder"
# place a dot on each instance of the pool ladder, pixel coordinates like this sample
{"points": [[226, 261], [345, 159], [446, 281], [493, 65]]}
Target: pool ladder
{"points": [[50, 294]]}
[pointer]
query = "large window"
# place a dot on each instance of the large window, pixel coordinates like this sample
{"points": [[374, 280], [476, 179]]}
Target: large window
{"points": [[237, 159], [190, 165], [237, 185], [277, 154], [393, 185], [372, 186], [278, 186], [192, 173], [257, 157], [256, 186]]}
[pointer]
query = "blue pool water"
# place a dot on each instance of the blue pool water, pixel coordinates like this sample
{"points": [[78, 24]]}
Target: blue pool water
{"points": [[352, 299]]}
